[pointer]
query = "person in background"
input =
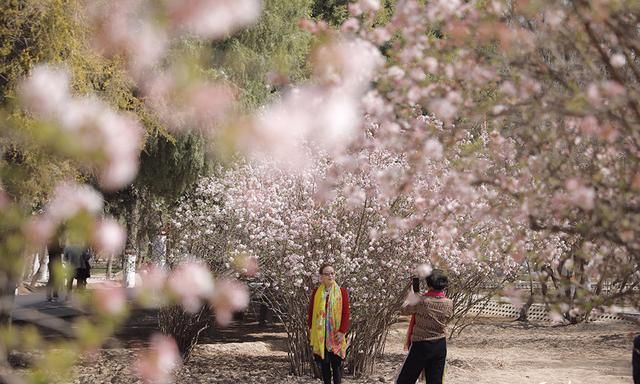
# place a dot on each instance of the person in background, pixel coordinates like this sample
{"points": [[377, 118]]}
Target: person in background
{"points": [[56, 275], [77, 259], [328, 321], [426, 337]]}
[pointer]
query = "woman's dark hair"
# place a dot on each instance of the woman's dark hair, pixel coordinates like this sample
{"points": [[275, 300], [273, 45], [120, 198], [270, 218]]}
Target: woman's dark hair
{"points": [[323, 266], [438, 280]]}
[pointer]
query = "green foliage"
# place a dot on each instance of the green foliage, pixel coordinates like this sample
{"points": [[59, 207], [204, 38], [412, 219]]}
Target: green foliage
{"points": [[168, 168], [49, 31], [274, 45], [334, 12]]}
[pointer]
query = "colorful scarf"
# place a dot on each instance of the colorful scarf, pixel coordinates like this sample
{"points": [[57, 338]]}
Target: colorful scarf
{"points": [[320, 327], [412, 323]]}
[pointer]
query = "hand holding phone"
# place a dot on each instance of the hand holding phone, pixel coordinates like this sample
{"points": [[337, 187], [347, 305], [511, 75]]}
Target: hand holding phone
{"points": [[416, 284]]}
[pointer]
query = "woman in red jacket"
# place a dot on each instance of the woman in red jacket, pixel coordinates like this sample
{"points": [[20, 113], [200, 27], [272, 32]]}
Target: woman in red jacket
{"points": [[328, 320]]}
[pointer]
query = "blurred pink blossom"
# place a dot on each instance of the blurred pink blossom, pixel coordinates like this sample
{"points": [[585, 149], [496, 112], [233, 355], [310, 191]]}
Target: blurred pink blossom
{"points": [[589, 125], [125, 28], [110, 299], [193, 106], [69, 199], [618, 60], [192, 283], [109, 237], [230, 296], [424, 270], [411, 299], [355, 9], [46, 91], [351, 25], [443, 109], [154, 278], [433, 149], [156, 365], [212, 19], [514, 296], [369, 5], [580, 195], [381, 35], [612, 89], [39, 229]]}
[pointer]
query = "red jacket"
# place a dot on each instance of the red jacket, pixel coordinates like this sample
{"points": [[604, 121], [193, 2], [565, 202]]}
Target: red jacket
{"points": [[344, 319]]}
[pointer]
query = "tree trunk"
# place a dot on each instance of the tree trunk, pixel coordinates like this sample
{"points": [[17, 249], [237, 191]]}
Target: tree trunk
{"points": [[159, 250], [109, 273], [30, 267], [129, 269], [42, 274], [8, 284], [524, 311]]}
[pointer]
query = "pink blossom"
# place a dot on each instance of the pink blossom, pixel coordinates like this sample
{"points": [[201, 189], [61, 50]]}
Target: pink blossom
{"points": [[369, 5], [351, 25], [355, 9], [432, 64], [199, 105], [515, 296], [589, 125], [109, 237], [441, 9], [39, 229], [411, 299], [498, 109], [580, 195], [612, 88], [556, 316], [118, 173], [395, 72], [145, 47], [45, 91], [154, 278], [508, 88], [230, 296], [381, 35], [191, 282], [247, 265], [70, 198], [424, 270], [593, 95], [125, 28], [213, 19], [433, 149], [110, 299], [444, 109], [618, 60], [155, 366], [554, 17]]}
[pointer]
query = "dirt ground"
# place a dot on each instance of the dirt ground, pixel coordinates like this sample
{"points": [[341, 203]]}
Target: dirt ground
{"points": [[495, 351]]}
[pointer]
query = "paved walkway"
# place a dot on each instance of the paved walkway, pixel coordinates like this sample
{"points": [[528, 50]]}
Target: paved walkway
{"points": [[27, 305]]}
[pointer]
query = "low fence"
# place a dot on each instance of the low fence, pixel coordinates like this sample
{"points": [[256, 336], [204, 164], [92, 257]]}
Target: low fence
{"points": [[538, 312]]}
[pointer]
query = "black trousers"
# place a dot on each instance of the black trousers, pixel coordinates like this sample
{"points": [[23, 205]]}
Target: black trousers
{"points": [[81, 275], [331, 364], [635, 360], [429, 356], [55, 281]]}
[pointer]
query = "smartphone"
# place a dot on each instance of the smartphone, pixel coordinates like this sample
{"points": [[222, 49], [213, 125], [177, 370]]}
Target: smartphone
{"points": [[416, 284]]}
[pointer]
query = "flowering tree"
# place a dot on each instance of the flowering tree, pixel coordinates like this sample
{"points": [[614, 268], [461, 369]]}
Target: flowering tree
{"points": [[487, 126], [290, 223], [538, 99]]}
